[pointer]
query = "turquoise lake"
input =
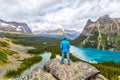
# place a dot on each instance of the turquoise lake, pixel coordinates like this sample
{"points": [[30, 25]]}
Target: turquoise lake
{"points": [[86, 54], [95, 55]]}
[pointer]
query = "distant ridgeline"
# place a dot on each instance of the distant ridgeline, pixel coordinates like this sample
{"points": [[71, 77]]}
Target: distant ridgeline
{"points": [[14, 27], [104, 33]]}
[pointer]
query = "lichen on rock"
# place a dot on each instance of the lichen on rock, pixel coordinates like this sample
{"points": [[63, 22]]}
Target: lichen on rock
{"points": [[39, 74]]}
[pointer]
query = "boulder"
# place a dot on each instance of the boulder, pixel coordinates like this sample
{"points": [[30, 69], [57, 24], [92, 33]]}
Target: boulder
{"points": [[54, 70], [75, 71]]}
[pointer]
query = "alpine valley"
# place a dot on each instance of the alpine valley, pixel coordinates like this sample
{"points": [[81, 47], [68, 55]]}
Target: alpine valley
{"points": [[27, 55]]}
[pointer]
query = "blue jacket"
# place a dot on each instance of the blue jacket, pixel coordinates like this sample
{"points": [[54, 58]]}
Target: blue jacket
{"points": [[65, 46]]}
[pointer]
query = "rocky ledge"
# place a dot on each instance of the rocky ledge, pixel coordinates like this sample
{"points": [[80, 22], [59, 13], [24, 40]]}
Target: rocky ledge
{"points": [[54, 70]]}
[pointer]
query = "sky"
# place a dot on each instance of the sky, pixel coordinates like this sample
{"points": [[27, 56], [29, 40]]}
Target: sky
{"points": [[52, 14]]}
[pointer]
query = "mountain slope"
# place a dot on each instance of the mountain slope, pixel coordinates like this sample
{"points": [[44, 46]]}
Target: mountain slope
{"points": [[58, 33], [14, 27], [104, 33], [11, 56]]}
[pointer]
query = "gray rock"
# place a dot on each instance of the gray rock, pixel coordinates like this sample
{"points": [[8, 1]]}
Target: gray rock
{"points": [[54, 70], [39, 74], [74, 71]]}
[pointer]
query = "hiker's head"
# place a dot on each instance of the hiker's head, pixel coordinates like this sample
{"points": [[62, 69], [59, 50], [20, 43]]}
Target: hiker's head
{"points": [[64, 38]]}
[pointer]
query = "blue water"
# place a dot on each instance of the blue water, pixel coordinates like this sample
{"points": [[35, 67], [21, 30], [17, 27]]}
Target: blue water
{"points": [[86, 54], [95, 55], [45, 58]]}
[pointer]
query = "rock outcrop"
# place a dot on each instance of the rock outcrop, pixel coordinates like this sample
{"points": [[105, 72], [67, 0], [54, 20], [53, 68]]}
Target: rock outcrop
{"points": [[54, 70], [39, 74], [104, 24], [102, 34], [14, 27]]}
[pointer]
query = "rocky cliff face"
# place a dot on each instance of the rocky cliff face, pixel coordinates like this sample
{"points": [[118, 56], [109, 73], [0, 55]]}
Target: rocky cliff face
{"points": [[104, 33], [103, 24], [54, 70], [14, 27]]}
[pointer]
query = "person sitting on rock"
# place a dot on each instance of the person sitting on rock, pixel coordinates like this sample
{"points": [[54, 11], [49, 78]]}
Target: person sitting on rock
{"points": [[65, 46]]}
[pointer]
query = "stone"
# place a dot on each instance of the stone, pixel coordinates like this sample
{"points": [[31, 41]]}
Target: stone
{"points": [[75, 71], [39, 74], [54, 70]]}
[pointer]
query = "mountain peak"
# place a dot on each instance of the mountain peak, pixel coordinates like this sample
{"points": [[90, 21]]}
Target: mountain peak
{"points": [[104, 17], [105, 24], [89, 21], [60, 29], [14, 27], [58, 33]]}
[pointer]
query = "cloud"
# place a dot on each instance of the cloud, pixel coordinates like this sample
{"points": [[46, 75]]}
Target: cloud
{"points": [[51, 14]]}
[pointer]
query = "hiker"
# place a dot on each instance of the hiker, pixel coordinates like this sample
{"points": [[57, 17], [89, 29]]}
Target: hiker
{"points": [[65, 46]]}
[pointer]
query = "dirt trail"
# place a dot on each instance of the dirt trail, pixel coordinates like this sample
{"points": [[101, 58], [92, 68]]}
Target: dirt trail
{"points": [[14, 63]]}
